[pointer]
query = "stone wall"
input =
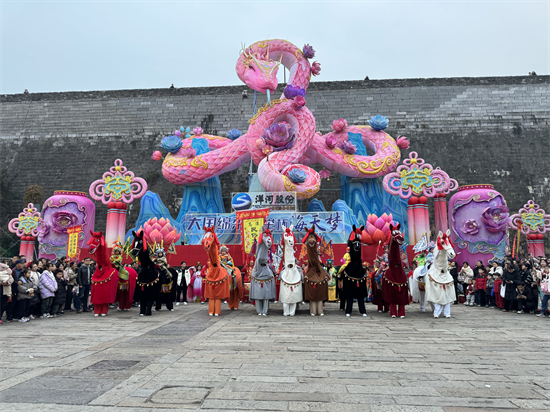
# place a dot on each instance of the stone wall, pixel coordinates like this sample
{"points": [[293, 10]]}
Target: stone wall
{"points": [[479, 130]]}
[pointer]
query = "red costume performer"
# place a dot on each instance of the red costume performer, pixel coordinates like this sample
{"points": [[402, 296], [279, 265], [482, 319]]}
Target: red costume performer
{"points": [[105, 277], [395, 288], [218, 280], [127, 278]]}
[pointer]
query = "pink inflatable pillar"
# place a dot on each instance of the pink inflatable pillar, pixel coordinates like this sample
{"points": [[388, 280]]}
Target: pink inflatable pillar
{"points": [[424, 217], [440, 212], [535, 244], [418, 213], [411, 205], [111, 232], [121, 230], [27, 247]]}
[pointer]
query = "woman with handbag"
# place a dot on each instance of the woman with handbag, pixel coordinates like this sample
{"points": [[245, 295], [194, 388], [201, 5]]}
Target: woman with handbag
{"points": [[544, 287]]}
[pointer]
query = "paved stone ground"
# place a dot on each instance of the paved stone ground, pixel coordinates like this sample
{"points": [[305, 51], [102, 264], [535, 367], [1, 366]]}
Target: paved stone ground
{"points": [[481, 359]]}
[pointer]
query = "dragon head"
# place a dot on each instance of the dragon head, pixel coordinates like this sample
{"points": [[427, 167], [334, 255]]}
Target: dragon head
{"points": [[260, 71]]}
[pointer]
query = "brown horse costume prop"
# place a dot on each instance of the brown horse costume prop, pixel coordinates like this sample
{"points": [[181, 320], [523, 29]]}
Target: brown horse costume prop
{"points": [[395, 290]]}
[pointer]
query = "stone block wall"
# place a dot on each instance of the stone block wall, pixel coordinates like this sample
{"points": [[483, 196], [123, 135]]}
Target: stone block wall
{"points": [[479, 130]]}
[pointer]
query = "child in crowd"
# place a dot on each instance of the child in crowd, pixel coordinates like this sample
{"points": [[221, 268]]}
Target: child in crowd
{"points": [[60, 294], [48, 287], [499, 300], [489, 294], [480, 286], [470, 293]]}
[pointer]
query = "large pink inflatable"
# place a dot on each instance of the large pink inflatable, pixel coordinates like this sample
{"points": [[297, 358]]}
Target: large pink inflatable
{"points": [[281, 138]]}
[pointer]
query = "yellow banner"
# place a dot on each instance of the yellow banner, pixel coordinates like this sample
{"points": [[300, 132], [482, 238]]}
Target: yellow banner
{"points": [[72, 245], [251, 231]]}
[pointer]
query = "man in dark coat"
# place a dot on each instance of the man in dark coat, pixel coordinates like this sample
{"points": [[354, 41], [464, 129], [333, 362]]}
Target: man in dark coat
{"points": [[524, 298], [354, 275], [511, 279]]}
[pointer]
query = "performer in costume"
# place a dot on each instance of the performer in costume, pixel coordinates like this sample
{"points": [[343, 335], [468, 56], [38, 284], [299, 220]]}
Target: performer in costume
{"points": [[380, 267], [395, 289], [127, 278], [440, 288], [315, 278], [247, 271], [291, 277], [331, 270], [148, 282], [167, 285], [105, 277], [340, 280], [355, 276], [236, 287], [217, 281], [262, 279]]}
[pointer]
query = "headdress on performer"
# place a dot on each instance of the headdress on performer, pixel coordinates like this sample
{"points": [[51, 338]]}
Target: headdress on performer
{"points": [[117, 247], [355, 232], [288, 232], [330, 262], [267, 232], [309, 232], [224, 248]]}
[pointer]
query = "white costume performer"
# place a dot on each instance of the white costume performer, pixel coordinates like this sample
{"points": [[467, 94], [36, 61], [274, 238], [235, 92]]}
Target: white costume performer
{"points": [[440, 289], [290, 293]]}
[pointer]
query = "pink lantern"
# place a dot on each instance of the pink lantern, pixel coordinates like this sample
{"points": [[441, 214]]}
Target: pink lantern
{"points": [[160, 231], [377, 229]]}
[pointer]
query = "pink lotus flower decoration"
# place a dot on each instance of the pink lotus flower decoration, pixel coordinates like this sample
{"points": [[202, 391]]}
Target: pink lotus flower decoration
{"points": [[324, 174], [316, 68], [495, 218], [299, 102], [377, 229], [260, 144], [339, 125], [268, 149], [63, 220], [330, 141], [403, 143], [470, 227], [160, 231], [188, 152], [197, 131], [156, 156], [347, 147]]}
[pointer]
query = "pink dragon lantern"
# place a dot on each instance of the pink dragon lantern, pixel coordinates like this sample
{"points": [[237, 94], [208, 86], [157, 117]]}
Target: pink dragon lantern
{"points": [[417, 178], [117, 188], [61, 213], [377, 229], [160, 231], [281, 139], [26, 227], [536, 222]]}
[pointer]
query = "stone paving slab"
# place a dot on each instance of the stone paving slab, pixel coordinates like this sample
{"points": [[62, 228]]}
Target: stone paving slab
{"points": [[185, 360]]}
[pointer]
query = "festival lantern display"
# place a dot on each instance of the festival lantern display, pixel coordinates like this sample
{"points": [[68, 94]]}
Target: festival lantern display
{"points": [[377, 229], [413, 179], [478, 218], [65, 210], [534, 223], [160, 232], [26, 227], [117, 188], [281, 139]]}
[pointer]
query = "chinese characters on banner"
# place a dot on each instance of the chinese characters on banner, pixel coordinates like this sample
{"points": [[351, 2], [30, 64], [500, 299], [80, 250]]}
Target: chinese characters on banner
{"points": [[251, 222], [73, 249], [273, 200], [330, 225]]}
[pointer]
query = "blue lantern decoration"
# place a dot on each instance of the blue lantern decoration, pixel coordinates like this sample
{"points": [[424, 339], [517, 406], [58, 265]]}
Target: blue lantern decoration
{"points": [[378, 122], [297, 176], [171, 143], [234, 134]]}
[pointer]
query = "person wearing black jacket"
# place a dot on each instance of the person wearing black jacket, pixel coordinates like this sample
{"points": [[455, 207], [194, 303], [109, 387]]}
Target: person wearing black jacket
{"points": [[454, 274], [511, 279], [84, 281], [524, 298], [182, 284]]}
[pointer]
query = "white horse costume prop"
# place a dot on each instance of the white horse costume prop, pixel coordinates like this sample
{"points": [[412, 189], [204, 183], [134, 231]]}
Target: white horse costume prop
{"points": [[440, 289], [418, 288], [291, 278]]}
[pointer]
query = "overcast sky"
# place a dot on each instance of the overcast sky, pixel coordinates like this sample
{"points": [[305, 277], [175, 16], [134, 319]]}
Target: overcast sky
{"points": [[59, 46]]}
